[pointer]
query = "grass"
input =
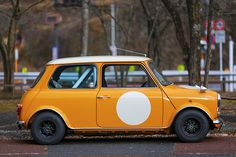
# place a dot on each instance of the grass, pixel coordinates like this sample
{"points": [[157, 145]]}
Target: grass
{"points": [[228, 107], [8, 101], [8, 105], [13, 95]]}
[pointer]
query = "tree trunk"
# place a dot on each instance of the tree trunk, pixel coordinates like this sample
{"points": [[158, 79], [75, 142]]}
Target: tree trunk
{"points": [[209, 52], [195, 27], [151, 42], [180, 34], [7, 49], [7, 66], [85, 17], [8, 76], [152, 26]]}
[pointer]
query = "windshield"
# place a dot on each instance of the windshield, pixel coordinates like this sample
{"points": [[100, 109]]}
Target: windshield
{"points": [[159, 76]]}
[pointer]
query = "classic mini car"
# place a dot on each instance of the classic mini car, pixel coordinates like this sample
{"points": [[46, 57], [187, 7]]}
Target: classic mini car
{"points": [[111, 95]]}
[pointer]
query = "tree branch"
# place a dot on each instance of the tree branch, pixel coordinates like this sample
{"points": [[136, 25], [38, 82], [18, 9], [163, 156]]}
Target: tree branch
{"points": [[209, 51], [99, 15], [164, 27], [13, 3], [145, 9], [153, 27], [180, 35], [30, 6], [3, 47], [5, 13], [122, 28], [119, 25]]}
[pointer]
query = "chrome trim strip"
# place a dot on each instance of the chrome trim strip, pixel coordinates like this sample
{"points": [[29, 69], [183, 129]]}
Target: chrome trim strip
{"points": [[217, 121], [20, 122]]}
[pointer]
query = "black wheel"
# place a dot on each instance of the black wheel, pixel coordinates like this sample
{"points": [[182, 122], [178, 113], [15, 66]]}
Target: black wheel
{"points": [[47, 128], [191, 126]]}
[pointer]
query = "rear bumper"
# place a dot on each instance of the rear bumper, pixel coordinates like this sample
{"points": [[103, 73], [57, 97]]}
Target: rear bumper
{"points": [[20, 124], [218, 123]]}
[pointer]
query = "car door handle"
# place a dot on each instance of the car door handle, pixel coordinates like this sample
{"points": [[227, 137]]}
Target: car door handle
{"points": [[103, 97]]}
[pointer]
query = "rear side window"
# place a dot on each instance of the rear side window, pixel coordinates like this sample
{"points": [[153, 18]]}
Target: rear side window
{"points": [[38, 77], [74, 77]]}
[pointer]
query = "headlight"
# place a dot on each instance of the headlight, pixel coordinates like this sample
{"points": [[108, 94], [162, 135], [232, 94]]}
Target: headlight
{"points": [[219, 99]]}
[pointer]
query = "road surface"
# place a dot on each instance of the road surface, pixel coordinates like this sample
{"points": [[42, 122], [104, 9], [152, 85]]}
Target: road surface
{"points": [[217, 146], [15, 142]]}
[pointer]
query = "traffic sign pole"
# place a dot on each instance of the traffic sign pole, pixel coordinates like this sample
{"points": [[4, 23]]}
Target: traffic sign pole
{"points": [[16, 59], [231, 64], [221, 61], [220, 38]]}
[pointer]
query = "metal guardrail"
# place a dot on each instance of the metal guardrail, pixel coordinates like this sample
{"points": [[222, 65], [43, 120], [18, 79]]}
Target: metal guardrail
{"points": [[167, 73], [224, 81], [21, 76]]}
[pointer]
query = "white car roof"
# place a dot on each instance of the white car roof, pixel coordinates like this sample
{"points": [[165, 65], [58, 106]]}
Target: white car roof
{"points": [[95, 59]]}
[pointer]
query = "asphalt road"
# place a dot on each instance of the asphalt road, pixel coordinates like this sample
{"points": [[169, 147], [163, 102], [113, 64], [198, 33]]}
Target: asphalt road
{"points": [[19, 143], [217, 146]]}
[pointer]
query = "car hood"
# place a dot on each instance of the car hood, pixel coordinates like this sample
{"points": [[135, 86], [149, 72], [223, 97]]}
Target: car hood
{"points": [[191, 92]]}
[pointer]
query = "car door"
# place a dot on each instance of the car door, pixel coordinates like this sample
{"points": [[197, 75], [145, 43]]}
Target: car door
{"points": [[128, 98]]}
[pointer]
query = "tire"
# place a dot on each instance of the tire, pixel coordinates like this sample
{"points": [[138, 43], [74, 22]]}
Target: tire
{"points": [[48, 128], [191, 126]]}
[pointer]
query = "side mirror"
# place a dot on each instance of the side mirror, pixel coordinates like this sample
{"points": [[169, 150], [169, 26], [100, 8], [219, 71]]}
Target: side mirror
{"points": [[203, 89]]}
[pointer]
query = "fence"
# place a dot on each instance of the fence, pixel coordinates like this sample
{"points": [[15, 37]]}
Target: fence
{"points": [[224, 81]]}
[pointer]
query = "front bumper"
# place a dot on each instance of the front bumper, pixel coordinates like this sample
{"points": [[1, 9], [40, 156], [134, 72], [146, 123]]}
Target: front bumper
{"points": [[20, 124], [218, 123]]}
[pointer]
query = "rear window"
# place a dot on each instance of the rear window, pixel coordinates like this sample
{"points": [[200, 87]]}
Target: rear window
{"points": [[38, 77]]}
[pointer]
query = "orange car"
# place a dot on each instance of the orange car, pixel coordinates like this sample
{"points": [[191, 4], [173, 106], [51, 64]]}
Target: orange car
{"points": [[114, 94]]}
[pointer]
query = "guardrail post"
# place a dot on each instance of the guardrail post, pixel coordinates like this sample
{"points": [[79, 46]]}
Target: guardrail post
{"points": [[223, 84]]}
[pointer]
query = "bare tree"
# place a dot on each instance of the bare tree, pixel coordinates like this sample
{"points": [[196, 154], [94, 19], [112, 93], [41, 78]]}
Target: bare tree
{"points": [[209, 51], [152, 28], [85, 28], [190, 50], [7, 48], [194, 17], [105, 17]]}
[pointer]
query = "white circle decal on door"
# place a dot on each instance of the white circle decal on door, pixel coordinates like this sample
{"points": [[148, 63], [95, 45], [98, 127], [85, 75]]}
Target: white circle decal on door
{"points": [[133, 108]]}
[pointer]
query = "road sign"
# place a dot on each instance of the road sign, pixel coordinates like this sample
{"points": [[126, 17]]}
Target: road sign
{"points": [[53, 18], [220, 36], [220, 24]]}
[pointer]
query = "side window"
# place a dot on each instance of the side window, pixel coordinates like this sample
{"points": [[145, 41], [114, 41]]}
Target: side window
{"points": [[75, 76], [125, 76]]}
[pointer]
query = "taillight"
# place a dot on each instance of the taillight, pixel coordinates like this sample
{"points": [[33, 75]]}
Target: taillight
{"points": [[218, 107], [19, 108]]}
